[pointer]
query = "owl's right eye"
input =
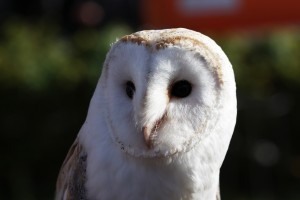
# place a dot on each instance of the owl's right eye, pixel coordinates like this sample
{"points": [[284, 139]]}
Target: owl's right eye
{"points": [[130, 89], [181, 89]]}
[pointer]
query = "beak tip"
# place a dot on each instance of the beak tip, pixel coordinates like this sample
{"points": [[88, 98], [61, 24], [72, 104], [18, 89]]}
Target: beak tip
{"points": [[147, 139]]}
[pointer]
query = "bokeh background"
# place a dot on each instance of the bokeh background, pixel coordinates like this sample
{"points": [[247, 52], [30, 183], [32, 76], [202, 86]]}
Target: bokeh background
{"points": [[51, 53]]}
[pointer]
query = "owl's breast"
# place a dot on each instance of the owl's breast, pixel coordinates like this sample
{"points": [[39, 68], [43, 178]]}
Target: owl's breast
{"points": [[125, 177]]}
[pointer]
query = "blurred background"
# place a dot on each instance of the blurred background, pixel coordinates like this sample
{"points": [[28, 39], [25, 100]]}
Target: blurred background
{"points": [[51, 53]]}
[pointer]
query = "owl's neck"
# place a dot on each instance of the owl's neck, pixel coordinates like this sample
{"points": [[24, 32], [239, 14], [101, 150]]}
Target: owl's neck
{"points": [[115, 175]]}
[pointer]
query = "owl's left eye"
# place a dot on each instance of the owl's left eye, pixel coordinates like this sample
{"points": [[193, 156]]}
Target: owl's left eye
{"points": [[181, 89], [130, 89]]}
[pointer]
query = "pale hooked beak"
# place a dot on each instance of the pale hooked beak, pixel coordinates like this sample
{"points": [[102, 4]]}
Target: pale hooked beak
{"points": [[147, 136], [150, 130]]}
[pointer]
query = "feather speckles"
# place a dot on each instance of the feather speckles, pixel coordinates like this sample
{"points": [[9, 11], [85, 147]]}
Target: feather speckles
{"points": [[175, 37], [135, 39], [72, 177]]}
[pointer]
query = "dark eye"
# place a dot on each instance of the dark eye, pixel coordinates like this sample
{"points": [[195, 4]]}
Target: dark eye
{"points": [[181, 89], [130, 89]]}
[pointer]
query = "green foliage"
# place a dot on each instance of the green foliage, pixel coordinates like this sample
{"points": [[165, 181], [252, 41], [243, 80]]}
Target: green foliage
{"points": [[35, 56], [259, 61], [47, 80]]}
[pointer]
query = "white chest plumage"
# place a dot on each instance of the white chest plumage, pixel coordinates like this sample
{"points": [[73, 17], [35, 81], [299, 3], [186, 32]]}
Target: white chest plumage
{"points": [[113, 174], [159, 123]]}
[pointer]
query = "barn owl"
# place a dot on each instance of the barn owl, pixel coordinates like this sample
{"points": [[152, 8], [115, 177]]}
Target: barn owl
{"points": [[159, 123]]}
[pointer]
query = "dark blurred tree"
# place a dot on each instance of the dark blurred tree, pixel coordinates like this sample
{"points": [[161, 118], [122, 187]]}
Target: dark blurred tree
{"points": [[47, 80]]}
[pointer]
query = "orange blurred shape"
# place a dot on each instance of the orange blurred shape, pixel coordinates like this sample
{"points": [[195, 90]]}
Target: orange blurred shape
{"points": [[220, 15], [90, 13]]}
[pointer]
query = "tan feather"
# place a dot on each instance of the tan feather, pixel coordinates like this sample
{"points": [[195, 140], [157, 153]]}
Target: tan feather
{"points": [[71, 179]]}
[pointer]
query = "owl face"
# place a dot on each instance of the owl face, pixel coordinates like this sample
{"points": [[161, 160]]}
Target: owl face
{"points": [[163, 92]]}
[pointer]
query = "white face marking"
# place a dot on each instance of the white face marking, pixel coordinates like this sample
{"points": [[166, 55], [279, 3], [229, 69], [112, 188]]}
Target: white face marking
{"points": [[153, 122], [172, 123]]}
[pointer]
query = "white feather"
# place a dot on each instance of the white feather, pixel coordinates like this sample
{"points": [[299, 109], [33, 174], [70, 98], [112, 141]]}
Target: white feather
{"points": [[190, 136]]}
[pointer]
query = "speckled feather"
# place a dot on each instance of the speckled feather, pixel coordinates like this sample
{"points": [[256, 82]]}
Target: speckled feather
{"points": [[72, 176]]}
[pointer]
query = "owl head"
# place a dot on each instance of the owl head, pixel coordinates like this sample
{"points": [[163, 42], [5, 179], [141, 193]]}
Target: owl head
{"points": [[166, 92]]}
